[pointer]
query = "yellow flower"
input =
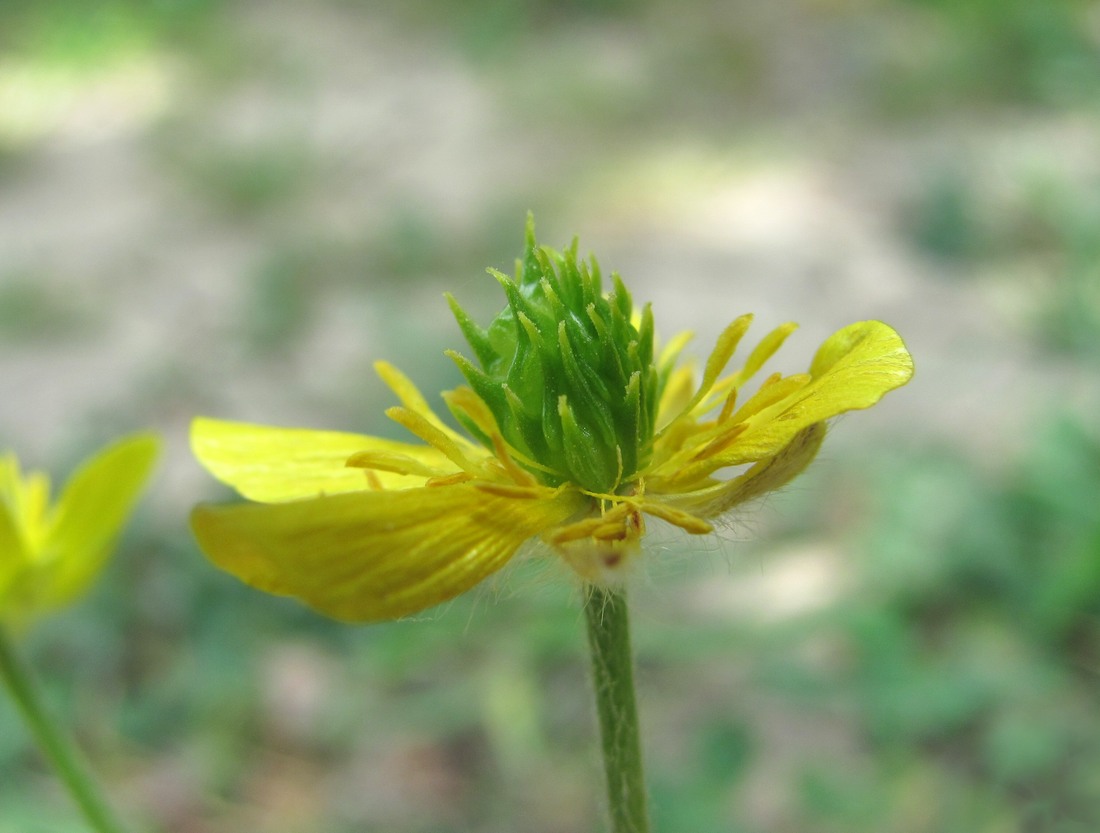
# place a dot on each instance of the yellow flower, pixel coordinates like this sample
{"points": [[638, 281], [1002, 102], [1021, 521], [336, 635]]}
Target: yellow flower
{"points": [[49, 555], [576, 434]]}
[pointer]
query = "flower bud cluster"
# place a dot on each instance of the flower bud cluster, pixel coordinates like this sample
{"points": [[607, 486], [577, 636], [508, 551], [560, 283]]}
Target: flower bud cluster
{"points": [[566, 372]]}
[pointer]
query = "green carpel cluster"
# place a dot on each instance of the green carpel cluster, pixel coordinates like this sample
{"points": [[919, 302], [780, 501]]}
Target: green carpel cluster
{"points": [[567, 375]]}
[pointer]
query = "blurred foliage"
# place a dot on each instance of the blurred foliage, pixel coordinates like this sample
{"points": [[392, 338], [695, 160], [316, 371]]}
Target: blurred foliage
{"points": [[944, 219], [1042, 235], [92, 32], [485, 28], [697, 797], [972, 647], [1066, 217], [968, 676], [178, 658], [31, 310], [999, 51], [278, 307], [245, 179]]}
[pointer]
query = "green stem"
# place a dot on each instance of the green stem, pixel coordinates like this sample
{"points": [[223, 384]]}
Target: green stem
{"points": [[613, 680], [54, 744]]}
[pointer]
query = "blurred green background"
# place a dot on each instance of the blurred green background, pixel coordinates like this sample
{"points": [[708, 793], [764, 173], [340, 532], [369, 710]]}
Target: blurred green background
{"points": [[233, 208]]}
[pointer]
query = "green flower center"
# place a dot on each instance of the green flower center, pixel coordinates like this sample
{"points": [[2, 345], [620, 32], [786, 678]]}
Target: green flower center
{"points": [[568, 376]]}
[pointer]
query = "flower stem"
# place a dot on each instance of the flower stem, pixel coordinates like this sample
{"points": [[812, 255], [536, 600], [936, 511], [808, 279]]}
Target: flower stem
{"points": [[54, 744], [613, 679]]}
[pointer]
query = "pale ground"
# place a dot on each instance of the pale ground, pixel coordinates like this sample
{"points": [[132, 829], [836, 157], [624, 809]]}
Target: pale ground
{"points": [[805, 230]]}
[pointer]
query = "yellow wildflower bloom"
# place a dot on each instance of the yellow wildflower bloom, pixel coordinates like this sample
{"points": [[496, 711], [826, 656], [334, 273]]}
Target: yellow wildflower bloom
{"points": [[50, 554], [576, 433]]}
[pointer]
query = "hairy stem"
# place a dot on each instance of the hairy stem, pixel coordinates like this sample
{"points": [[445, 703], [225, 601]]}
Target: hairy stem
{"points": [[53, 743], [613, 680]]}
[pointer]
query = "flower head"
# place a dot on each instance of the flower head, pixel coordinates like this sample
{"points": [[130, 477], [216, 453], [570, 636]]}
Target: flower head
{"points": [[50, 554], [575, 433], [567, 376]]}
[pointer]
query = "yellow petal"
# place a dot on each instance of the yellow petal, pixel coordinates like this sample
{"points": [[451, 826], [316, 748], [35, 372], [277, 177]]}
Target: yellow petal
{"points": [[853, 369], [369, 556], [766, 476], [26, 498], [89, 517], [13, 552], [13, 546], [275, 464], [870, 348]]}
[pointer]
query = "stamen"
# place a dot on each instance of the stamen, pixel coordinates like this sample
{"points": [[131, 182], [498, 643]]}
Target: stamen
{"points": [[474, 407], [510, 491], [723, 441], [449, 479], [610, 532], [586, 528], [774, 390], [429, 433], [676, 394], [728, 406], [413, 400], [671, 351], [766, 349], [719, 358], [522, 477], [391, 462], [684, 520]]}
